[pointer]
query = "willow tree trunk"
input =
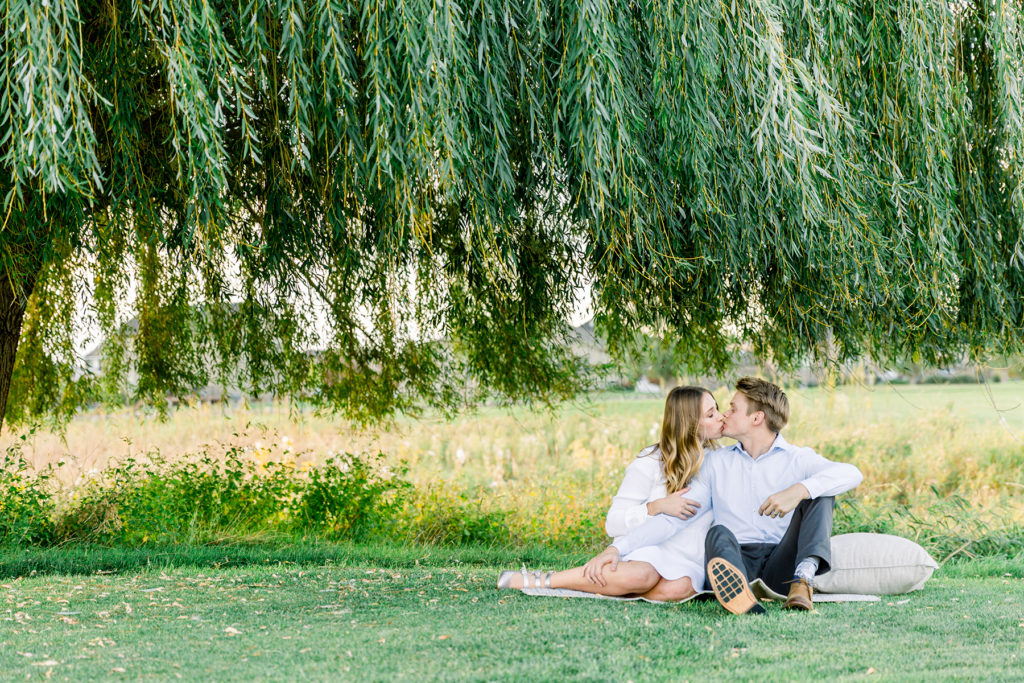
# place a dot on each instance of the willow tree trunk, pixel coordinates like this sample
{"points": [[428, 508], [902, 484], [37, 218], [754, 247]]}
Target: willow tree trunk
{"points": [[12, 314]]}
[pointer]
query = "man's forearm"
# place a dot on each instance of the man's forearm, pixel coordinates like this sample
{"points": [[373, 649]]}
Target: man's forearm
{"points": [[839, 478]]}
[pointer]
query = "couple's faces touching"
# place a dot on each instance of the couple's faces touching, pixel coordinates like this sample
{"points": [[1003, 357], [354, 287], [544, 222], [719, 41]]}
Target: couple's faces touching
{"points": [[734, 423], [738, 419], [711, 419]]}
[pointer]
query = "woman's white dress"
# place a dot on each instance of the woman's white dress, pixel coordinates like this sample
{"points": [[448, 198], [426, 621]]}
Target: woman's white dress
{"points": [[683, 554]]}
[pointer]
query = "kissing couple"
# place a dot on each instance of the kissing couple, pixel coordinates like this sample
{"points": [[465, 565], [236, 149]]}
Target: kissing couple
{"points": [[691, 515]]}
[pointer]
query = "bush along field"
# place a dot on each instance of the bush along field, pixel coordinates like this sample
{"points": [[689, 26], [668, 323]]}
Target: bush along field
{"points": [[507, 480]]}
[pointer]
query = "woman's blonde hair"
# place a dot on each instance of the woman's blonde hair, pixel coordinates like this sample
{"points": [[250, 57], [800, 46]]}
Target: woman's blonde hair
{"points": [[682, 451]]}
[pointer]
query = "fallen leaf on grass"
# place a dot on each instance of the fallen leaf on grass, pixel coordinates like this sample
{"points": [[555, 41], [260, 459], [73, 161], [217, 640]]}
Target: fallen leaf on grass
{"points": [[443, 637], [118, 670], [46, 662], [871, 670], [232, 631]]}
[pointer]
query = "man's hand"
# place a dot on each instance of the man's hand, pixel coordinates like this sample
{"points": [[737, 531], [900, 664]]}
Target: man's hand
{"points": [[675, 505], [782, 503], [594, 569]]}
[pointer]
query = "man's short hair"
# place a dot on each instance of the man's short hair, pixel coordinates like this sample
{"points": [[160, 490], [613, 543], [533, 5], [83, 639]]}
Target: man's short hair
{"points": [[768, 398]]}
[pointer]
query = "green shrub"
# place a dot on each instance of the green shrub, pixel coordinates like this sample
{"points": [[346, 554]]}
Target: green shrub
{"points": [[26, 506], [232, 497], [951, 379], [185, 502], [349, 497]]}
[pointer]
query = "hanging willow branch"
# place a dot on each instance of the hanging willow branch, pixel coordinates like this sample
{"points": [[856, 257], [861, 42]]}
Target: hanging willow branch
{"points": [[418, 190]]}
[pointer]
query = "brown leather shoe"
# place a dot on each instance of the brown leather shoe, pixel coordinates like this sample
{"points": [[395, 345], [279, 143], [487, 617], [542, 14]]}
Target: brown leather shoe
{"points": [[799, 596], [731, 588]]}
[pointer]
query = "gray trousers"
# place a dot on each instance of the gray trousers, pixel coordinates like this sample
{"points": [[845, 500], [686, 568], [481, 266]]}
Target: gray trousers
{"points": [[809, 534]]}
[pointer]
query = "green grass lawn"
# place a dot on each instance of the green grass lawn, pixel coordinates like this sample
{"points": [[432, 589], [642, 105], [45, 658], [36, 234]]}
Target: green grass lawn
{"points": [[356, 614]]}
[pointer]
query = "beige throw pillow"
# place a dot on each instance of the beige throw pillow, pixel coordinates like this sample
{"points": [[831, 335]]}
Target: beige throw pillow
{"points": [[875, 564]]}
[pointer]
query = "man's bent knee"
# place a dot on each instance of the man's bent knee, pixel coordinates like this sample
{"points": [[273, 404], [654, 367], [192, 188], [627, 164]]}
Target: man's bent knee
{"points": [[716, 535]]}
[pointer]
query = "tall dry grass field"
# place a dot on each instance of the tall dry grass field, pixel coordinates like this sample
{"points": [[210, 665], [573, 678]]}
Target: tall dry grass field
{"points": [[941, 462]]}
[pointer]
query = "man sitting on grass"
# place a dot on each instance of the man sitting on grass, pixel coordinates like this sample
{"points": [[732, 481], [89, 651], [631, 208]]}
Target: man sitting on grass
{"points": [[751, 488]]}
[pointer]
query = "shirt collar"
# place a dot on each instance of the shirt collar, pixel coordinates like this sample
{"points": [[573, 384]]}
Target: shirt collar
{"points": [[780, 444]]}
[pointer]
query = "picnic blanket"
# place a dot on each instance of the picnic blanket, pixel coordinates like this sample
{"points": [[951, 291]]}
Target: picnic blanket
{"points": [[757, 586]]}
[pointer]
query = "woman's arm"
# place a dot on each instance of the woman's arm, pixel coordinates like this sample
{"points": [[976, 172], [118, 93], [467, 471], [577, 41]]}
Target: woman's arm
{"points": [[660, 528], [629, 506]]}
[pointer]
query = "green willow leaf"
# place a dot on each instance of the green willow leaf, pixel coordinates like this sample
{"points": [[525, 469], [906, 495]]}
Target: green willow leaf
{"points": [[390, 205]]}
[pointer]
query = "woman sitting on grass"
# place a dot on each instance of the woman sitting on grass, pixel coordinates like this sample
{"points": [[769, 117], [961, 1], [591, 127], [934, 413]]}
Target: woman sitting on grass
{"points": [[675, 568]]}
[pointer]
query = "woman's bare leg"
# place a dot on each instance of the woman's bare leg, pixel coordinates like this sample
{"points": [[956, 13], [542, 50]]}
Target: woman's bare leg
{"points": [[630, 577], [671, 591]]}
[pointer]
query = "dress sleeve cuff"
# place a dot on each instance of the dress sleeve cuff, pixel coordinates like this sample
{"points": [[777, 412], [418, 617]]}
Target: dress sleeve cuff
{"points": [[636, 516]]}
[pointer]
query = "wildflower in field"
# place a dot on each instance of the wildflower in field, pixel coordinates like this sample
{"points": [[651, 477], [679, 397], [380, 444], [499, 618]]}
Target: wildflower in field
{"points": [[460, 456], [286, 444]]}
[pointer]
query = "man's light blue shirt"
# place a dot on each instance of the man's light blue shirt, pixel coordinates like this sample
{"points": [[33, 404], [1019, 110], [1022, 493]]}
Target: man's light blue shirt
{"points": [[733, 485]]}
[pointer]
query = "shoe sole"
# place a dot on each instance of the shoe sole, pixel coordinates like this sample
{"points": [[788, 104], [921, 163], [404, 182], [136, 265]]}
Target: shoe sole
{"points": [[731, 588]]}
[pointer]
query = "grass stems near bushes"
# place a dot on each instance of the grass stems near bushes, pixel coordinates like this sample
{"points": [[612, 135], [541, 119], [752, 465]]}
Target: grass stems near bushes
{"points": [[89, 559]]}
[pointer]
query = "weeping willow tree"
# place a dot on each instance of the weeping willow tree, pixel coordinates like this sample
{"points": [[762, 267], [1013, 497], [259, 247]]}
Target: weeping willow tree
{"points": [[420, 190]]}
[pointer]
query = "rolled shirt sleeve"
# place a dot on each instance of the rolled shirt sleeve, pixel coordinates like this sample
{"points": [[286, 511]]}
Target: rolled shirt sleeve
{"points": [[826, 478]]}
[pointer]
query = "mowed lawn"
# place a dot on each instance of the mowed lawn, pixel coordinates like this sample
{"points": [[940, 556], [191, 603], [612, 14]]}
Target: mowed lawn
{"points": [[344, 618]]}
